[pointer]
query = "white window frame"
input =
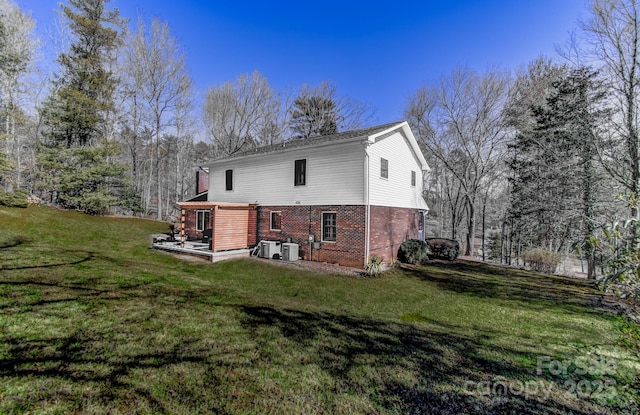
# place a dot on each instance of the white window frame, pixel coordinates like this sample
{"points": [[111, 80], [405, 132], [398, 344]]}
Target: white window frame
{"points": [[200, 225], [414, 178]]}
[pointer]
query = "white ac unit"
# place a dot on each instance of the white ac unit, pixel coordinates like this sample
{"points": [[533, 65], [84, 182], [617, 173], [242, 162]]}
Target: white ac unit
{"points": [[268, 249], [290, 252]]}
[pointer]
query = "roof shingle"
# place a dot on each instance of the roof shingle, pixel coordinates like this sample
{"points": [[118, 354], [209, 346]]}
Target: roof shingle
{"points": [[363, 132]]}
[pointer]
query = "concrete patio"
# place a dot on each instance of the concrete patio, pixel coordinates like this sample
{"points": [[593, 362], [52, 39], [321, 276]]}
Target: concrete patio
{"points": [[197, 249]]}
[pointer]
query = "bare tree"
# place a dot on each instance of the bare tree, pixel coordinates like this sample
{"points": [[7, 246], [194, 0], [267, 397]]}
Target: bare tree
{"points": [[459, 121], [613, 34], [159, 84], [242, 116], [17, 55]]}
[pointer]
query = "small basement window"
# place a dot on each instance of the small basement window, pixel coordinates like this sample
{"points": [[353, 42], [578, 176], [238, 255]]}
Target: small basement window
{"points": [[275, 221]]}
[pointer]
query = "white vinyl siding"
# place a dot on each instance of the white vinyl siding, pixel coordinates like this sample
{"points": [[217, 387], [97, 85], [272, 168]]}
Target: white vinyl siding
{"points": [[334, 176], [396, 190]]}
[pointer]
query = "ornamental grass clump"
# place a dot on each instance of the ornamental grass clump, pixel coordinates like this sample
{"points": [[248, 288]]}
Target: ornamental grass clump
{"points": [[541, 260], [374, 267]]}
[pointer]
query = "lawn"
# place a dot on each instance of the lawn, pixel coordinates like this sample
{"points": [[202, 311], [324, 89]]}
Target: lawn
{"points": [[94, 321]]}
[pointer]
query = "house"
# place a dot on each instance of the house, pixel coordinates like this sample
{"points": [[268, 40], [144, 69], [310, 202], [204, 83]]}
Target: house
{"points": [[341, 198]]}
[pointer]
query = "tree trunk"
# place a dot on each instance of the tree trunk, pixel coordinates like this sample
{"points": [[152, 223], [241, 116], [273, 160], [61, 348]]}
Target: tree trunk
{"points": [[471, 228]]}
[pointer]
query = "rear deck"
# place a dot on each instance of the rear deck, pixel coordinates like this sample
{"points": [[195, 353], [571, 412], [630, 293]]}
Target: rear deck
{"points": [[199, 249]]}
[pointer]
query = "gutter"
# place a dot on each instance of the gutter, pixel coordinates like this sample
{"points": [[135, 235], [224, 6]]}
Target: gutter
{"points": [[367, 204]]}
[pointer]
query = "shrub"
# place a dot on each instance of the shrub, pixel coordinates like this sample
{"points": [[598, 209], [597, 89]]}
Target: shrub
{"points": [[494, 246], [412, 251], [16, 199], [541, 260], [441, 248], [374, 267]]}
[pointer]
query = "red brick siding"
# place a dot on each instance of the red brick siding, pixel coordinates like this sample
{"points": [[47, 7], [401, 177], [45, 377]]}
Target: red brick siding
{"points": [[202, 181], [252, 234], [390, 227], [190, 224], [300, 221]]}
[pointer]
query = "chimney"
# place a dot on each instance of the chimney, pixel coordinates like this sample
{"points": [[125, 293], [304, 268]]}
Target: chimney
{"points": [[202, 180]]}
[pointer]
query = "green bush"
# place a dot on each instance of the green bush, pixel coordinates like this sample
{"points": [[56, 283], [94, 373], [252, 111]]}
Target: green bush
{"points": [[441, 248], [494, 246], [16, 199], [541, 260], [412, 251]]}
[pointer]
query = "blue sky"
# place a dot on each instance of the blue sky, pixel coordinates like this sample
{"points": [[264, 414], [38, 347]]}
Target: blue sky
{"points": [[375, 52]]}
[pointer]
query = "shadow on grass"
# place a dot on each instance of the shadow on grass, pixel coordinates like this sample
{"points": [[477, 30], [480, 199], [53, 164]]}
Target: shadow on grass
{"points": [[96, 366], [490, 281], [137, 364], [404, 368], [394, 367], [87, 256], [13, 242]]}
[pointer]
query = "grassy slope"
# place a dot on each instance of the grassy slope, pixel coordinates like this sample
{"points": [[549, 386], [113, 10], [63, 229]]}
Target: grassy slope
{"points": [[93, 320]]}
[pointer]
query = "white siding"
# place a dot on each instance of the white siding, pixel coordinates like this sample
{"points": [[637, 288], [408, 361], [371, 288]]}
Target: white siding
{"points": [[396, 191], [334, 177]]}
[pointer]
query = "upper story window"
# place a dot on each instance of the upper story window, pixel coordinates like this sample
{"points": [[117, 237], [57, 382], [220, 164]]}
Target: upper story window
{"points": [[329, 226], [300, 173], [228, 179], [384, 168], [275, 221], [413, 178]]}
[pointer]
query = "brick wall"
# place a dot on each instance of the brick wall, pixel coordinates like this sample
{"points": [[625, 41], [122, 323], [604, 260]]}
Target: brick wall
{"points": [[190, 224], [297, 222], [390, 227], [252, 235]]}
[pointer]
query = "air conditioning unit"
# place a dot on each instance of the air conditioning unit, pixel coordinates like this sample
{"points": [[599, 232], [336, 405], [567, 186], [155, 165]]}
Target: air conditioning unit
{"points": [[290, 252], [268, 249]]}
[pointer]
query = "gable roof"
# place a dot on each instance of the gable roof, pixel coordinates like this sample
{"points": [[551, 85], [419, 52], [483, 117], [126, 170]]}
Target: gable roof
{"points": [[370, 133]]}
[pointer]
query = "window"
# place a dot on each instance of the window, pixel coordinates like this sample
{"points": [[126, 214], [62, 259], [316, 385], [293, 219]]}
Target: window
{"points": [[384, 168], [202, 220], [228, 174], [329, 226], [413, 178], [300, 173], [276, 221]]}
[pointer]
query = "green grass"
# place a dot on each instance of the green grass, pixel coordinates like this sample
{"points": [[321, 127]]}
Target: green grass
{"points": [[93, 321]]}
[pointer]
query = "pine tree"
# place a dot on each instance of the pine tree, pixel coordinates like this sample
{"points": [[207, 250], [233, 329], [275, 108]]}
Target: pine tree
{"points": [[555, 166], [78, 171], [313, 116]]}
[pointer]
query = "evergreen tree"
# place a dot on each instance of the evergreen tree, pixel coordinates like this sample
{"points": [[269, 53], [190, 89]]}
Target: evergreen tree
{"points": [[313, 116], [555, 165], [78, 170]]}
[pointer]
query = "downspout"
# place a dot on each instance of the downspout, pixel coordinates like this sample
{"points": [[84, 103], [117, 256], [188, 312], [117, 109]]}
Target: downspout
{"points": [[367, 213]]}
